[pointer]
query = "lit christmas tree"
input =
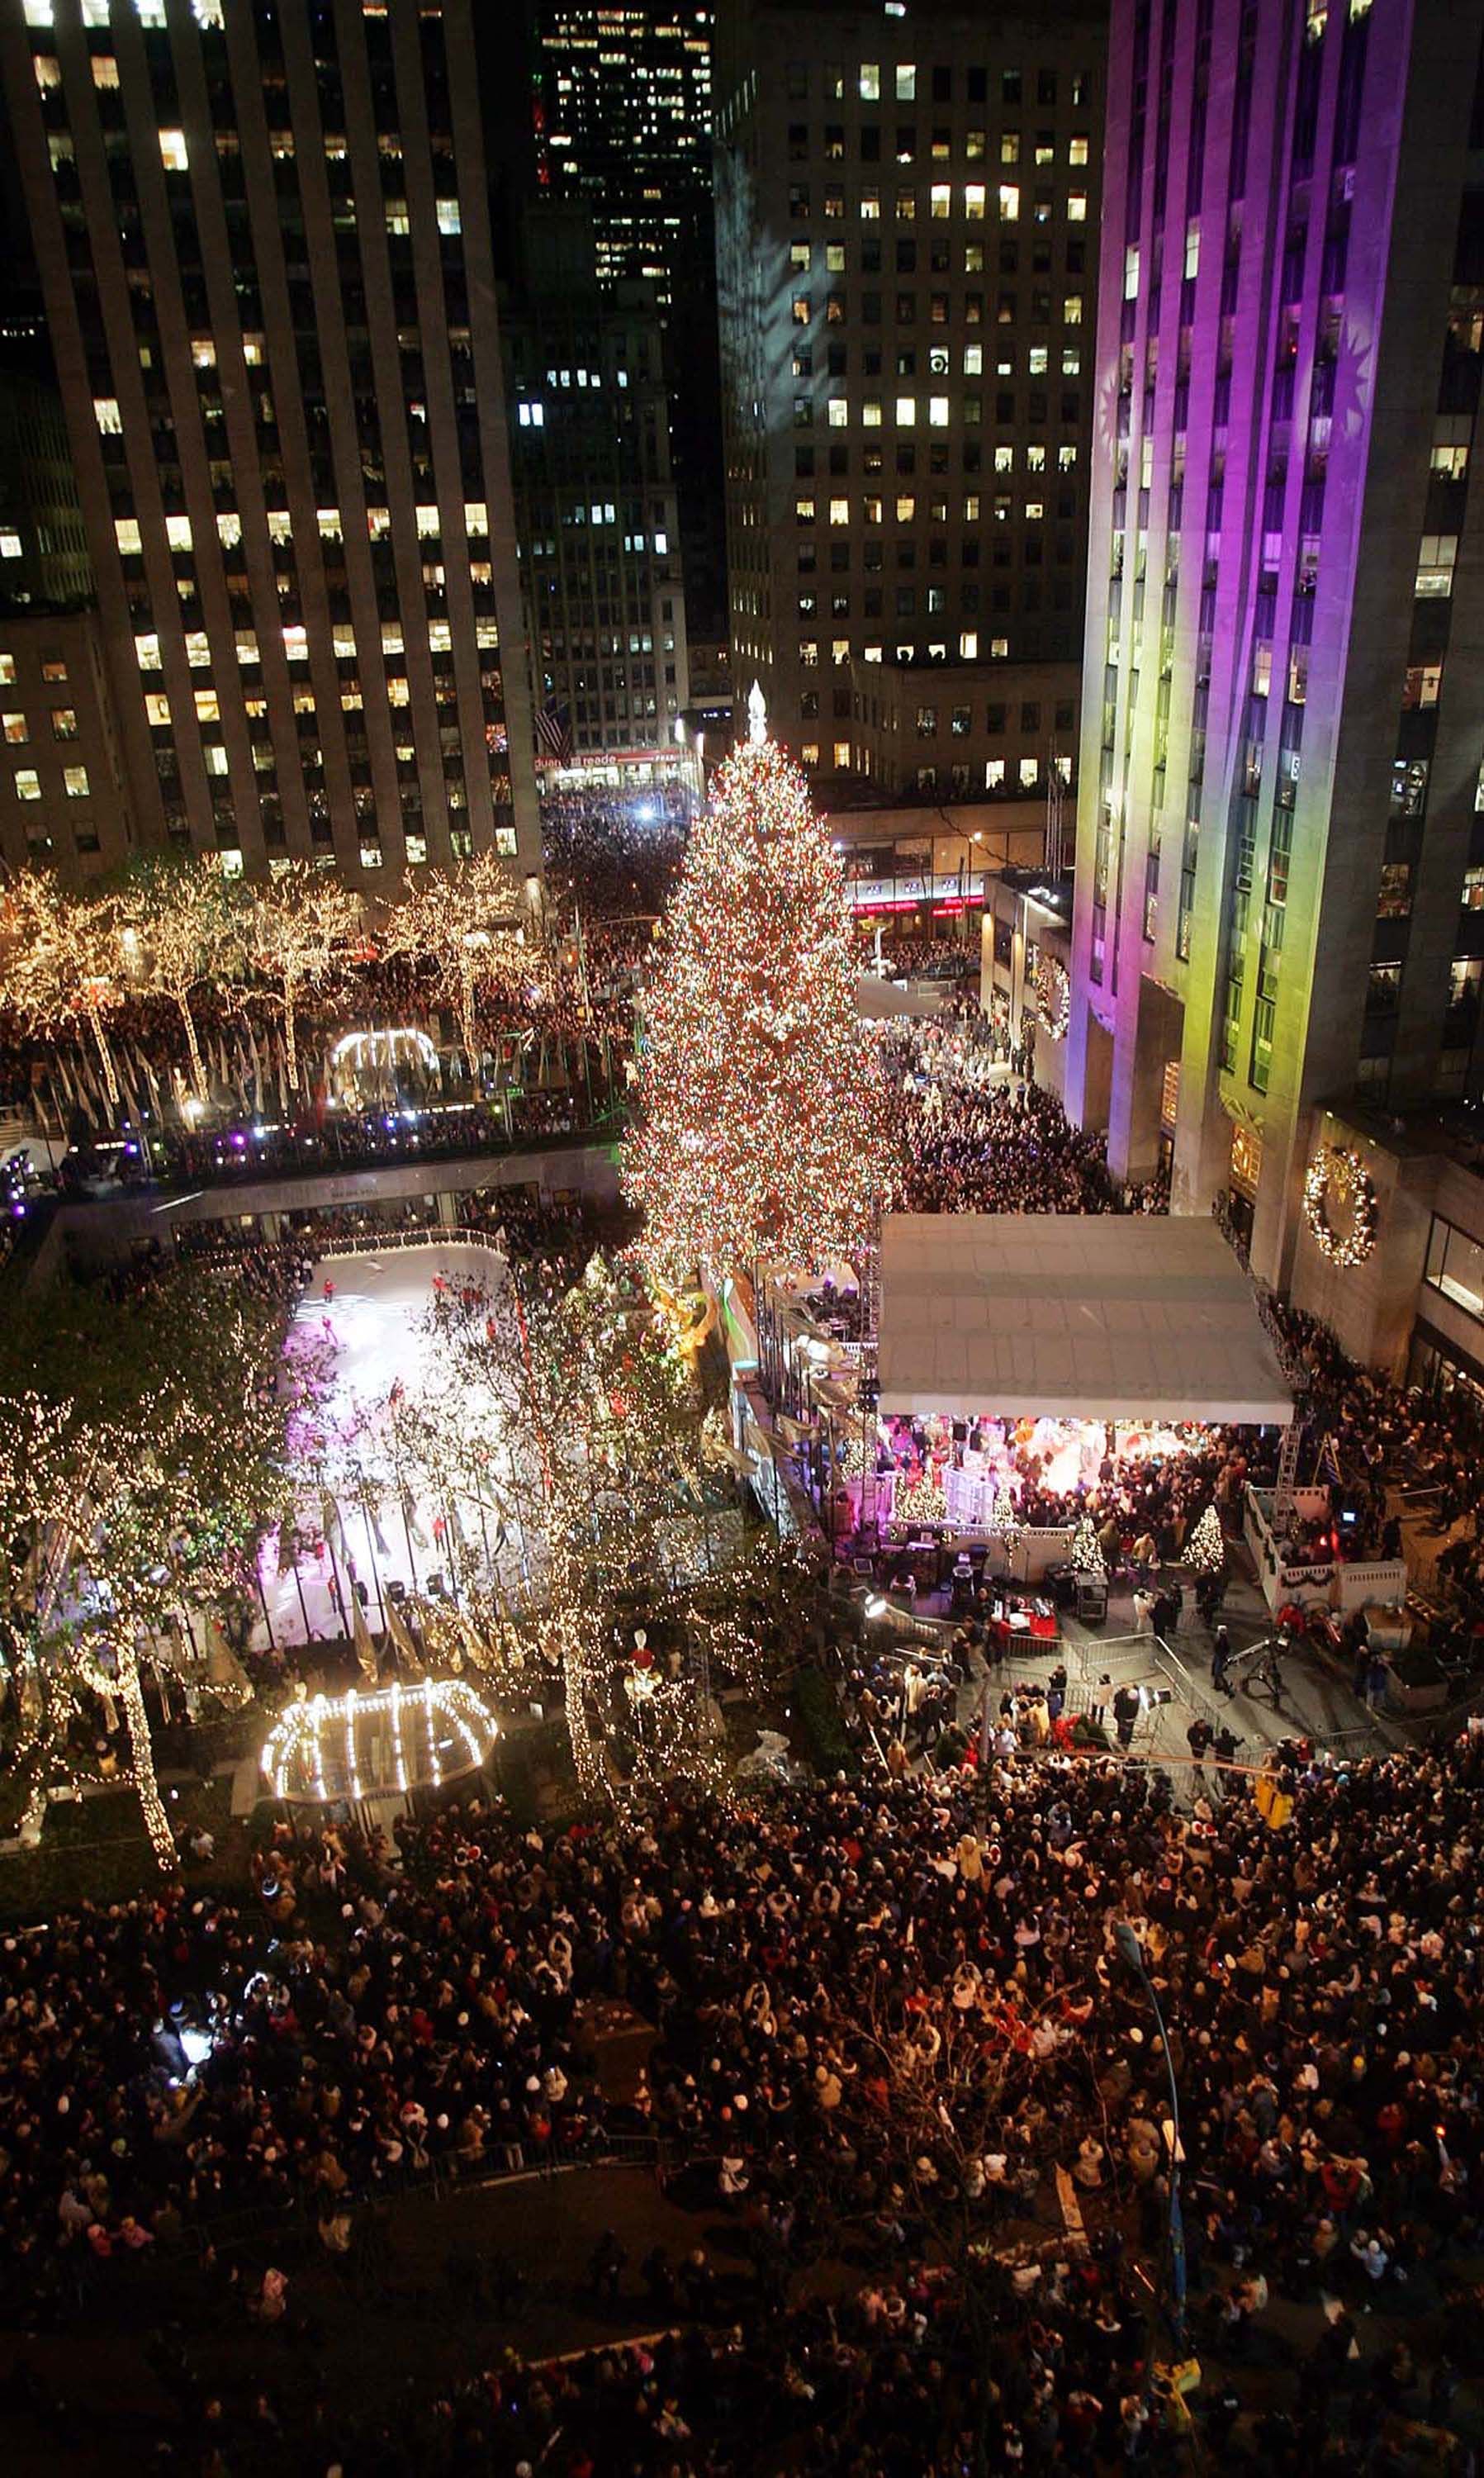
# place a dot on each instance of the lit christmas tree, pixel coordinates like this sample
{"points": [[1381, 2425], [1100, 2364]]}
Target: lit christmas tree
{"points": [[760, 1106], [1205, 1551], [1085, 1551]]}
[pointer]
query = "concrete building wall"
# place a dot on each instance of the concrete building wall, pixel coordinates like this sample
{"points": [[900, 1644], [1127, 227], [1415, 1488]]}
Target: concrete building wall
{"points": [[63, 802]]}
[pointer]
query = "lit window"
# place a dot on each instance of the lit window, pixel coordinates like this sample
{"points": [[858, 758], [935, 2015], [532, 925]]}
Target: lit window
{"points": [[37, 12], [1076, 209], [969, 646], [1067, 458], [48, 70], [476, 517], [938, 411], [7, 670], [1030, 769], [229, 528], [994, 773], [391, 637], [198, 650], [208, 708], [428, 523], [328, 519], [177, 532], [449, 219], [906, 509], [296, 645], [126, 533], [804, 510], [810, 753], [172, 150], [157, 710], [1008, 202], [1076, 151], [941, 197], [1036, 360], [871, 206], [974, 202], [1192, 248], [398, 219], [840, 412], [1071, 361], [63, 723], [28, 783], [208, 15], [839, 512], [74, 781], [1071, 309], [1435, 558], [906, 410], [973, 361], [841, 756], [871, 92], [906, 82], [870, 413], [106, 416], [1000, 649], [15, 728], [148, 652]]}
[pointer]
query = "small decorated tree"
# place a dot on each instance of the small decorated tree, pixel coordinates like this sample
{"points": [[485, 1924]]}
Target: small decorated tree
{"points": [[298, 928], [1086, 1552], [182, 919], [464, 928], [59, 958], [1205, 1550], [759, 1099]]}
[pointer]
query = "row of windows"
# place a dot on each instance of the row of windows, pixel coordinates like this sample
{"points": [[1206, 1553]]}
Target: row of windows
{"points": [[17, 728], [973, 208], [74, 779], [280, 525], [974, 146], [907, 82]]}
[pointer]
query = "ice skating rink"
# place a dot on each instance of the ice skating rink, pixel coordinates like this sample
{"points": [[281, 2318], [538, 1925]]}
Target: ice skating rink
{"points": [[375, 1315], [373, 1322]]}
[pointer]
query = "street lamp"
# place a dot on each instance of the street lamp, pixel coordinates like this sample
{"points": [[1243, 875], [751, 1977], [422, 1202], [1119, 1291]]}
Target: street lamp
{"points": [[1131, 1950]]}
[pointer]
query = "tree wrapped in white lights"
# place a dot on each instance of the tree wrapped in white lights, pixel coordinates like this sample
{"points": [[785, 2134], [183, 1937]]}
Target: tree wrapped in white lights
{"points": [[182, 922], [1086, 1552], [298, 928], [760, 1102], [1205, 1550], [59, 958], [463, 927]]}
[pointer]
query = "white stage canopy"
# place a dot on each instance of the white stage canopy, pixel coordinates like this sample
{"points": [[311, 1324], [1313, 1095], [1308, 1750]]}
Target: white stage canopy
{"points": [[1072, 1316]]}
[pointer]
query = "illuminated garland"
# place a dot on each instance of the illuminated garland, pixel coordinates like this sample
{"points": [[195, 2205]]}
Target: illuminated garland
{"points": [[1053, 997], [760, 1106], [1337, 1174]]}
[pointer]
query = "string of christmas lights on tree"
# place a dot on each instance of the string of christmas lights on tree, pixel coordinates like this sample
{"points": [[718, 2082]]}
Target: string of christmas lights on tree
{"points": [[761, 1108], [1205, 1550]]}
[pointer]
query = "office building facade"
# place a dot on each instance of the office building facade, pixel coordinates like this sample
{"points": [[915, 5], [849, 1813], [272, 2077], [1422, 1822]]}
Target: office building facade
{"points": [[1280, 822], [907, 222], [596, 515], [262, 241]]}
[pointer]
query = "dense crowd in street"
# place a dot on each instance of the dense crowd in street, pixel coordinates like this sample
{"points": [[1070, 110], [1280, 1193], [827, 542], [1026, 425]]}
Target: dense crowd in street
{"points": [[969, 1144], [891, 2009]]}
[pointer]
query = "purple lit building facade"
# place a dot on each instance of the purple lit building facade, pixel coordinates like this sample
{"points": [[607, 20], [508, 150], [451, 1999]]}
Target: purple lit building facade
{"points": [[1280, 834]]}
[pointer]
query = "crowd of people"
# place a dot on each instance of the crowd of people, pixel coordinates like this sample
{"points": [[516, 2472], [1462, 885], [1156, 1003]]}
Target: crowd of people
{"points": [[973, 1138], [891, 2009]]}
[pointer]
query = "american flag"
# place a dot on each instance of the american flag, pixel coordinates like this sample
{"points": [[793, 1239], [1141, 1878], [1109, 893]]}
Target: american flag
{"points": [[554, 732], [1329, 1462]]}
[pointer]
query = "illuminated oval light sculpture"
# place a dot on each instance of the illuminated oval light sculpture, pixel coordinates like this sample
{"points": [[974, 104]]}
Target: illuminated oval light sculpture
{"points": [[400, 1738], [380, 1050]]}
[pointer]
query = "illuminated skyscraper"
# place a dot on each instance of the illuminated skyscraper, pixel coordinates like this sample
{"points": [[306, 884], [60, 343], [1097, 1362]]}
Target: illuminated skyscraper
{"points": [[1280, 847], [621, 105], [264, 245], [907, 219]]}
